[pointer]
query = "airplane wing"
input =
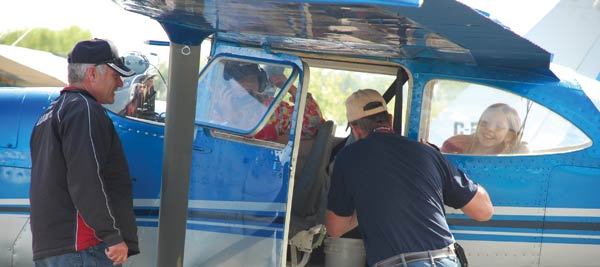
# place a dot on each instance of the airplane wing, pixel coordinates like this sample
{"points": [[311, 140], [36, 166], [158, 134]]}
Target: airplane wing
{"points": [[27, 67], [438, 29], [571, 31]]}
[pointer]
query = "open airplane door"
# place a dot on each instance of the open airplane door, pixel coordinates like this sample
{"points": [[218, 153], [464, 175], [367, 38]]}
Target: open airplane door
{"points": [[240, 185]]}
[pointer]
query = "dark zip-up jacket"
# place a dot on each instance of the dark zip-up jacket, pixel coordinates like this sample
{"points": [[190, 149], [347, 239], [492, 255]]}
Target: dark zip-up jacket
{"points": [[81, 191]]}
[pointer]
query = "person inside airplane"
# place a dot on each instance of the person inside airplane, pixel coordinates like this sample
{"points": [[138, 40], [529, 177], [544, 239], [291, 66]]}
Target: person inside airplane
{"points": [[255, 80], [141, 98], [498, 132]]}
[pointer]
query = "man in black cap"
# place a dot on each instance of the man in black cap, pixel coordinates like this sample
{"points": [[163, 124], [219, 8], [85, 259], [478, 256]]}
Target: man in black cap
{"points": [[81, 192]]}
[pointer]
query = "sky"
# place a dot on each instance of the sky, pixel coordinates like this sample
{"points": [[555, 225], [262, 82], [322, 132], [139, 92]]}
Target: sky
{"points": [[103, 18], [128, 30]]}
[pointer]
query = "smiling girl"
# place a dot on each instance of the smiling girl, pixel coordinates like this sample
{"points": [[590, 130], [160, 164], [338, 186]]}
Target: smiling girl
{"points": [[497, 132]]}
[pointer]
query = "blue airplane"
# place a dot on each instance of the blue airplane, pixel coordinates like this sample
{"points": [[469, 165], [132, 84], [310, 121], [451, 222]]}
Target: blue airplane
{"points": [[209, 192]]}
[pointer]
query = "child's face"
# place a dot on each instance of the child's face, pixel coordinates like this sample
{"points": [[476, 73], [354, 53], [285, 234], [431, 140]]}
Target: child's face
{"points": [[492, 129]]}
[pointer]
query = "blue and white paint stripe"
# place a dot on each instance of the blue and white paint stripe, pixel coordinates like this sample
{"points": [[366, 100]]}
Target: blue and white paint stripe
{"points": [[240, 218], [531, 225]]}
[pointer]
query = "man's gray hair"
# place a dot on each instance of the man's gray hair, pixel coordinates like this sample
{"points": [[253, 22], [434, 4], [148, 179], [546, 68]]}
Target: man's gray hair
{"points": [[77, 71]]}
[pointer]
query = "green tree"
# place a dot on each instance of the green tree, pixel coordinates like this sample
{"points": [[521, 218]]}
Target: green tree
{"points": [[330, 88], [58, 42]]}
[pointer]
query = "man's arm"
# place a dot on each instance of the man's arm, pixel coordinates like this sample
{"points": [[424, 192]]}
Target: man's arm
{"points": [[480, 206], [86, 145], [459, 189], [338, 225]]}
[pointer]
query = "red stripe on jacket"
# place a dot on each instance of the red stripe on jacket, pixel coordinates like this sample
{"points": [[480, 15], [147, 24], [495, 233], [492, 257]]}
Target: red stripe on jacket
{"points": [[86, 236]]}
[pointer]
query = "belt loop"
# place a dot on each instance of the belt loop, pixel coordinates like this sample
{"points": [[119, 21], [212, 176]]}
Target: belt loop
{"points": [[403, 261]]}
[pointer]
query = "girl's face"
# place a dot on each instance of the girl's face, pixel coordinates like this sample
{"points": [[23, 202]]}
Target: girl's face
{"points": [[493, 129]]}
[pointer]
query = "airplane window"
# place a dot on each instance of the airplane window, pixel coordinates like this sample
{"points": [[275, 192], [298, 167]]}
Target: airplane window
{"points": [[144, 95], [229, 102], [497, 123], [236, 95], [331, 87], [141, 96]]}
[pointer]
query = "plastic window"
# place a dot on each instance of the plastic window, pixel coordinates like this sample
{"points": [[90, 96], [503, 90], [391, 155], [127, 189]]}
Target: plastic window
{"points": [[460, 125], [240, 96]]}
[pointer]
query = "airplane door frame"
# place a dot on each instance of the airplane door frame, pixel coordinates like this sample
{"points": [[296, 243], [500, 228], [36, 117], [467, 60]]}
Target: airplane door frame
{"points": [[212, 138]]}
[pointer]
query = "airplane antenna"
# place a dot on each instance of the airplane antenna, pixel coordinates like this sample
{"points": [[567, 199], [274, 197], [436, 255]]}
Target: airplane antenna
{"points": [[156, 68], [529, 104], [159, 73]]}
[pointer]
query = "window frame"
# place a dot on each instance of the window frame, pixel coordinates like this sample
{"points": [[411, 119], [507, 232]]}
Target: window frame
{"points": [[427, 103]]}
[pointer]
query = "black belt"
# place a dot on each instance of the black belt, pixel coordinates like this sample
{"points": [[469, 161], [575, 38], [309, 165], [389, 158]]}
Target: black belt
{"points": [[400, 259]]}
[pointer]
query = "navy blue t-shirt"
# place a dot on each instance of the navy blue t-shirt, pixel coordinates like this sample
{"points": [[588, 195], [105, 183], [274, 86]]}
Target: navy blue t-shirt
{"points": [[398, 188]]}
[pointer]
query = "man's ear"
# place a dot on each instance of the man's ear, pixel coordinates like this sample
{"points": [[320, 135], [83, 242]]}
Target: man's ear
{"points": [[90, 73], [357, 132]]}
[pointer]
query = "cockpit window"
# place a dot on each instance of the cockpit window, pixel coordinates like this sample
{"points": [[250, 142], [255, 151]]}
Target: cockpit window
{"points": [[497, 123], [140, 97], [238, 95], [143, 95]]}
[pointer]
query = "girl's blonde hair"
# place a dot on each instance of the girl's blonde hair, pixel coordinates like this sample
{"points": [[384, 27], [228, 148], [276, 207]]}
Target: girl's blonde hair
{"points": [[511, 143]]}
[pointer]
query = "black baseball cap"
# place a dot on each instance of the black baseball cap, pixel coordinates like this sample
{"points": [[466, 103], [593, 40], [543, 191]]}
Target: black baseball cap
{"points": [[99, 51]]}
